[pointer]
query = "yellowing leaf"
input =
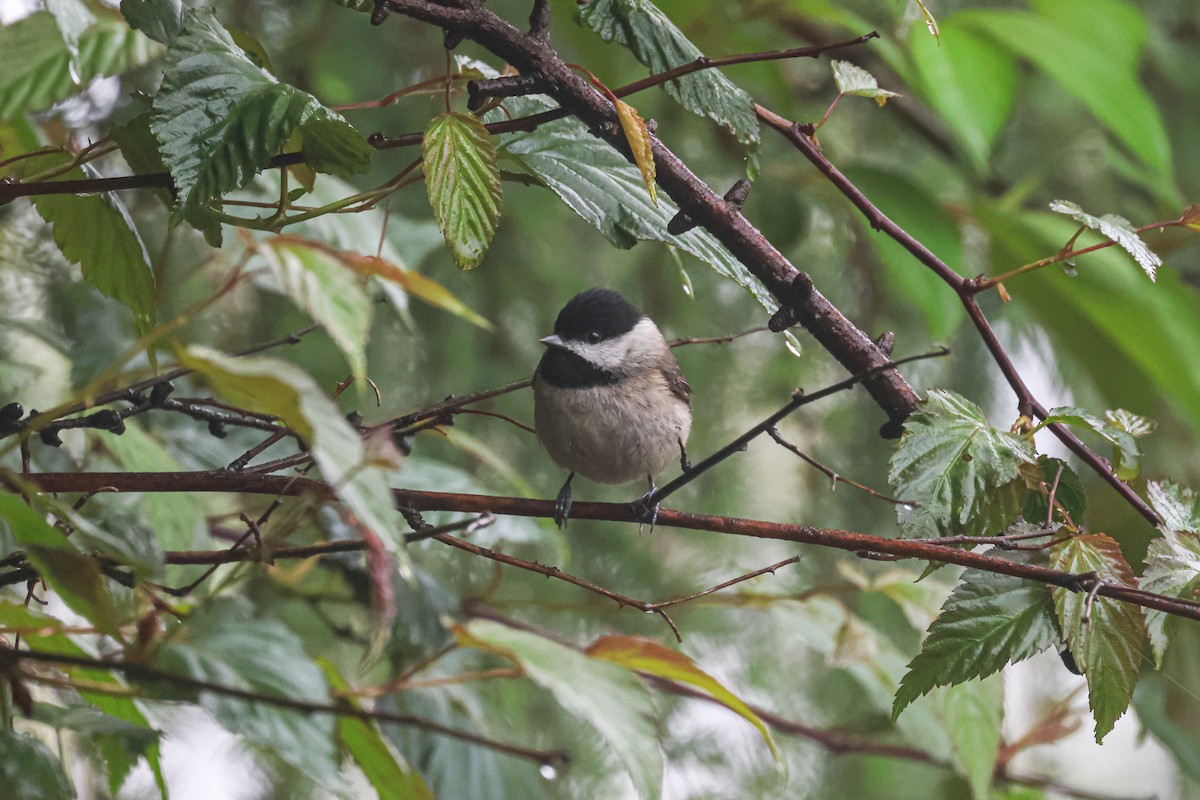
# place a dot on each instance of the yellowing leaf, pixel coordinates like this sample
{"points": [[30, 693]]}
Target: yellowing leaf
{"points": [[420, 286], [648, 656], [639, 142]]}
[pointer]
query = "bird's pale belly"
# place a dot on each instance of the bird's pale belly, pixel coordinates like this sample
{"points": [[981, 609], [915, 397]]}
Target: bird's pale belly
{"points": [[587, 435]]}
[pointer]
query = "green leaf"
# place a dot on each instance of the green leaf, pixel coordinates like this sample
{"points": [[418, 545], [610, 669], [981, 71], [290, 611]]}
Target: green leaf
{"points": [[315, 279], [962, 475], [279, 388], [96, 232], [949, 76], [857, 81], [1178, 506], [220, 118], [161, 20], [29, 771], [121, 743], [35, 62], [604, 695], [1108, 647], [44, 634], [988, 621], [73, 575], [639, 654], [227, 643], [1069, 493], [1173, 560], [1109, 87], [1172, 569], [331, 145], [1117, 229], [607, 192], [464, 184], [972, 713], [388, 772], [1127, 453], [656, 42]]}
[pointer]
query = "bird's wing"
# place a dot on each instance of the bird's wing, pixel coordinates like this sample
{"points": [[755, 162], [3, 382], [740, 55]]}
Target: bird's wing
{"points": [[676, 382]]}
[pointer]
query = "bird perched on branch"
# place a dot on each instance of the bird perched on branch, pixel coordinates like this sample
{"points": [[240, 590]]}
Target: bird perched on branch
{"points": [[609, 400]]}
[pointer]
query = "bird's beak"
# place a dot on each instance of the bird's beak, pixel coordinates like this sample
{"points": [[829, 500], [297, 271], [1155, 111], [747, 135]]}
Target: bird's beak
{"points": [[552, 341]]}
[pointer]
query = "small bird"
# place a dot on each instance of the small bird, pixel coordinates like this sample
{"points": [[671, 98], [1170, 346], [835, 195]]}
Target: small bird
{"points": [[609, 401]]}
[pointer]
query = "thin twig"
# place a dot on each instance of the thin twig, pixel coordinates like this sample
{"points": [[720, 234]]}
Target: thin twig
{"points": [[146, 673]]}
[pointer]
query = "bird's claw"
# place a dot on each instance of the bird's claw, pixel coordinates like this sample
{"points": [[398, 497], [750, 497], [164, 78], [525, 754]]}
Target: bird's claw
{"points": [[563, 503], [647, 510]]}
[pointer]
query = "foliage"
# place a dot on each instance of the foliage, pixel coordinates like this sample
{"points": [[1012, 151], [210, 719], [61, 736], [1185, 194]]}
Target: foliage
{"points": [[260, 487]]}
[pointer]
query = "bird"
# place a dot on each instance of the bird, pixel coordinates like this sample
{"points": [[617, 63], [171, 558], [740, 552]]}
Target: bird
{"points": [[610, 402]]}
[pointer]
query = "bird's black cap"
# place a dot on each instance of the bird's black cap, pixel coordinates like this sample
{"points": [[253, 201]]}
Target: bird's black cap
{"points": [[596, 311]]}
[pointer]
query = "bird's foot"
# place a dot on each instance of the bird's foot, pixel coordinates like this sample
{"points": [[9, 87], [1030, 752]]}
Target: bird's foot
{"points": [[562, 504], [646, 508]]}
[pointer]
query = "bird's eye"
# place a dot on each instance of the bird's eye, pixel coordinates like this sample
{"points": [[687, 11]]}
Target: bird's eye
{"points": [[594, 337]]}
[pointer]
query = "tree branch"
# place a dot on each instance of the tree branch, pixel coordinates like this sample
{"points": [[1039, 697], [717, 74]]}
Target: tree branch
{"points": [[613, 512]]}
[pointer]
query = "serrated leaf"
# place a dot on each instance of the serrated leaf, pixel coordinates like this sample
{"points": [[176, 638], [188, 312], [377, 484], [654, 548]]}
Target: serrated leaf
{"points": [[1108, 648], [220, 118], [1069, 493], [316, 280], [390, 775], [161, 20], [648, 656], [972, 713], [1172, 569], [227, 643], [656, 42], [988, 621], [74, 576], [856, 80], [1178, 506], [1172, 560], [607, 192], [29, 771], [638, 137], [282, 389], [96, 232], [1127, 453], [1133, 424], [957, 474], [35, 62], [464, 184], [1117, 229], [604, 695]]}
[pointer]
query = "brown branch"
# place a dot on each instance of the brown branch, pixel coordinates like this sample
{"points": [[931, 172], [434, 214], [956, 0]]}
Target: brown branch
{"points": [[799, 137], [613, 512]]}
